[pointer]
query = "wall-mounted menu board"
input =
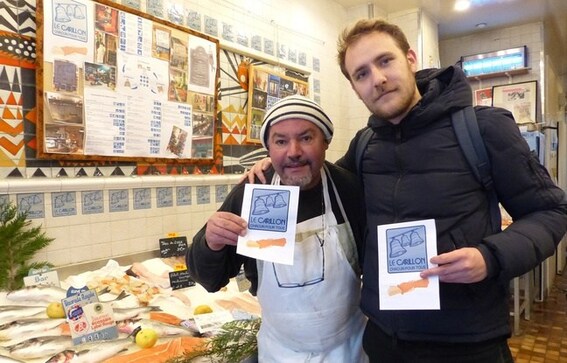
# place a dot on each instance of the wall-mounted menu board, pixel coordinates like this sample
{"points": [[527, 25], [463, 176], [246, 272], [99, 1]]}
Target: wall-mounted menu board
{"points": [[114, 83]]}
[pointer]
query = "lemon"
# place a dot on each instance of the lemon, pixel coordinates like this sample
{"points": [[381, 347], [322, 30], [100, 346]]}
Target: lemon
{"points": [[55, 310], [202, 309], [146, 338]]}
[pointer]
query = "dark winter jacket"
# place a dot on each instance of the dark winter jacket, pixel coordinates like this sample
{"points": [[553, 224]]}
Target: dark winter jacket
{"points": [[213, 269], [416, 170]]}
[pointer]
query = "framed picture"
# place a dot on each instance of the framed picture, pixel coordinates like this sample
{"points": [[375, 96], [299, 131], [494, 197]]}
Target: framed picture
{"points": [[518, 98], [266, 87], [483, 97]]}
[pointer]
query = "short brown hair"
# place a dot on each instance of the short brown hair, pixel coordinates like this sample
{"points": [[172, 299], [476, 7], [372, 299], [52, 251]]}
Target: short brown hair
{"points": [[364, 27]]}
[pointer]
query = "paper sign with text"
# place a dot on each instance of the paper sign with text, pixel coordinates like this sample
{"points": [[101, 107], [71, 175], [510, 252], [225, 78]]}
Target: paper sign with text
{"points": [[89, 320], [271, 213], [404, 250]]}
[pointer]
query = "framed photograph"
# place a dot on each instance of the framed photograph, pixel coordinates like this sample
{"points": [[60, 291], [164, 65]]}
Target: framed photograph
{"points": [[518, 98], [483, 97], [266, 87]]}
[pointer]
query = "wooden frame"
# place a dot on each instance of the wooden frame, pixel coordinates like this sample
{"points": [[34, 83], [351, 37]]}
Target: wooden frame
{"points": [[266, 86], [114, 83], [518, 98]]}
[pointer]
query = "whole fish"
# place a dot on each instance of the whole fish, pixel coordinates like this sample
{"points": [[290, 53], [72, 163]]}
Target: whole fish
{"points": [[121, 314], [162, 329], [92, 352], [57, 331], [9, 313], [40, 347], [37, 294], [14, 329]]}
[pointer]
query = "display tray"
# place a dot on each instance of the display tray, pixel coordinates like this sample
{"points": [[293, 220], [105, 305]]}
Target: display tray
{"points": [[140, 295]]}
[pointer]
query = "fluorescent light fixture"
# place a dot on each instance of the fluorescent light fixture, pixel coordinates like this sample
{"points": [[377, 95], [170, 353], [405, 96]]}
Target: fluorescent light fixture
{"points": [[462, 5]]}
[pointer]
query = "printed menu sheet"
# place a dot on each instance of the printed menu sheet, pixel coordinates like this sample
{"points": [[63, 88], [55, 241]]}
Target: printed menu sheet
{"points": [[404, 250], [271, 213]]}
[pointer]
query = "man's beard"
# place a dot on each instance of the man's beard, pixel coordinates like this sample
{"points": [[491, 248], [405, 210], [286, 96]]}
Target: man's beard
{"points": [[300, 181]]}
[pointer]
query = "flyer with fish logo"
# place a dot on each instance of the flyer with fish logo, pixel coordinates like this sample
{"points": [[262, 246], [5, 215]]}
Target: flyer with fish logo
{"points": [[271, 213], [404, 250]]}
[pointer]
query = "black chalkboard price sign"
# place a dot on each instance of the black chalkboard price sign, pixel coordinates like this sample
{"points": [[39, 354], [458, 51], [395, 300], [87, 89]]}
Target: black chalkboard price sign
{"points": [[180, 279], [171, 247]]}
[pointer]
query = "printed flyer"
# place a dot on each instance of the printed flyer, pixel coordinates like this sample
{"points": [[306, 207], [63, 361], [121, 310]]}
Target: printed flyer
{"points": [[404, 250], [271, 213]]}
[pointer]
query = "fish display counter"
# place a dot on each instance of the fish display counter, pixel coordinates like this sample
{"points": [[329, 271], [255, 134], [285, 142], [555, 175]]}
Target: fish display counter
{"points": [[153, 322]]}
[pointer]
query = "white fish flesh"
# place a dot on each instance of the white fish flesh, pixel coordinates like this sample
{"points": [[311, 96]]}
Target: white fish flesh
{"points": [[9, 313], [16, 328], [37, 294], [121, 314], [92, 352], [40, 347]]}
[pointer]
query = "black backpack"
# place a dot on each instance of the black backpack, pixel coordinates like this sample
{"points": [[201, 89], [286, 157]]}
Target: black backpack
{"points": [[470, 140]]}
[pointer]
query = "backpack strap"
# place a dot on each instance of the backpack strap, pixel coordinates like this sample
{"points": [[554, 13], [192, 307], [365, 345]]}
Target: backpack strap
{"points": [[470, 140], [363, 141]]}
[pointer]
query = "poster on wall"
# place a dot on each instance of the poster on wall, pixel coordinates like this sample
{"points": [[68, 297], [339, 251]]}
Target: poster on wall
{"points": [[117, 84], [266, 87], [518, 98], [483, 97]]}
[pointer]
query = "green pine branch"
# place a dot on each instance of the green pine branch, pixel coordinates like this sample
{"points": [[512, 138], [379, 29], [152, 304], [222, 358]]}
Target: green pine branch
{"points": [[19, 242], [236, 341]]}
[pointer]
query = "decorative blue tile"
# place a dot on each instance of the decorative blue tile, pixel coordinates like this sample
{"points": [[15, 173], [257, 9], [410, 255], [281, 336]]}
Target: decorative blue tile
{"points": [[183, 195], [93, 201], [134, 4], [155, 8], [142, 198], [64, 204], [194, 20], [32, 204], [316, 64], [211, 26], [118, 200], [164, 197], [221, 191], [203, 194]]}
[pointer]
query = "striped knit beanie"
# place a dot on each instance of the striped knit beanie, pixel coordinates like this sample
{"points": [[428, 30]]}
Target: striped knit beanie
{"points": [[296, 107]]}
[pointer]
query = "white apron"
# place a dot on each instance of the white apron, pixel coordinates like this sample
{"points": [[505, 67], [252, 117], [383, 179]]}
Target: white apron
{"points": [[310, 311]]}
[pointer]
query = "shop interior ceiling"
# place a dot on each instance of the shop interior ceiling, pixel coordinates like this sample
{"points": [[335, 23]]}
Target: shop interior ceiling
{"points": [[492, 13]]}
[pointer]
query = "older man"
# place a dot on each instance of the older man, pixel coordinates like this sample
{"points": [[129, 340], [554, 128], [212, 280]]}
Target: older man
{"points": [[309, 309]]}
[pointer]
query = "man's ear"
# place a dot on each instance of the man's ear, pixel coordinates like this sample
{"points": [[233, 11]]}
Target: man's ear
{"points": [[412, 60]]}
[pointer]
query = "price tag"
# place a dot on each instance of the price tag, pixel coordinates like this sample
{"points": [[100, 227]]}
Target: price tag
{"points": [[180, 279], [212, 321], [50, 278], [89, 320], [171, 247]]}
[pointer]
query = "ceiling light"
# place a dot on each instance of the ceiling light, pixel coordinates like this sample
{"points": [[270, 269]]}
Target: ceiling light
{"points": [[481, 25], [462, 5]]}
